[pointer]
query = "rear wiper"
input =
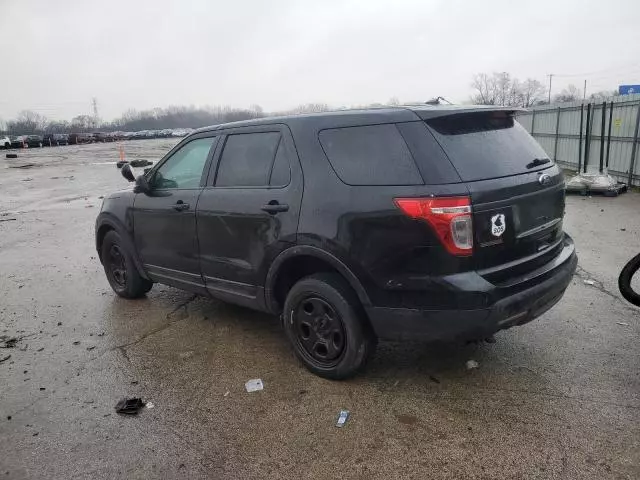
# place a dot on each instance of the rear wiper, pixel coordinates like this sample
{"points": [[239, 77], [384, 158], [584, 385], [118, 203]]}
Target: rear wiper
{"points": [[537, 162]]}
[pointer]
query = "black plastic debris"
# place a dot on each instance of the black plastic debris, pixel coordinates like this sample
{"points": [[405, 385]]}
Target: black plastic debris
{"points": [[8, 342], [140, 163], [4, 358], [129, 406]]}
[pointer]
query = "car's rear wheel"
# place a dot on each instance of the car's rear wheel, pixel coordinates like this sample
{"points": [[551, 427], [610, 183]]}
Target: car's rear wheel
{"points": [[325, 323], [122, 274]]}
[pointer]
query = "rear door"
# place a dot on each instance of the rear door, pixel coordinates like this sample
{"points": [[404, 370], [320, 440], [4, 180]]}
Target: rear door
{"points": [[517, 192], [248, 213]]}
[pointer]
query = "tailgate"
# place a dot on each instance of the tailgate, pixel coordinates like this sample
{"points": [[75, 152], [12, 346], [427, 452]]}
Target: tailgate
{"points": [[517, 218], [517, 192]]}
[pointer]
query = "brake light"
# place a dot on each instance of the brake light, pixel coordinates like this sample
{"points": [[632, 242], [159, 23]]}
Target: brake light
{"points": [[450, 217]]}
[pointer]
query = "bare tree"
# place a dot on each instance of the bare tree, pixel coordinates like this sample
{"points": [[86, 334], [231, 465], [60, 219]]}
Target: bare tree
{"points": [[82, 122], [531, 92], [500, 88], [27, 122], [569, 94], [485, 85], [603, 95]]}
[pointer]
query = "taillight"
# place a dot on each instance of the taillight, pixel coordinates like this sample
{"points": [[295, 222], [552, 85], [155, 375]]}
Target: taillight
{"points": [[450, 217]]}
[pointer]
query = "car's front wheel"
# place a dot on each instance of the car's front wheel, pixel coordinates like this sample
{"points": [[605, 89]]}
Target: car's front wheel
{"points": [[326, 325], [122, 274]]}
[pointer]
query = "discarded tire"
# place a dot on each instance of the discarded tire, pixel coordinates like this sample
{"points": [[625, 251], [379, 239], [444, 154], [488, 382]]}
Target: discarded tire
{"points": [[12, 155], [625, 279]]}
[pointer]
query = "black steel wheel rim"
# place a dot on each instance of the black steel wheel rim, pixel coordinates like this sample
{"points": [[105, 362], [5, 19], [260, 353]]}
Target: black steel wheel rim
{"points": [[319, 330], [117, 266]]}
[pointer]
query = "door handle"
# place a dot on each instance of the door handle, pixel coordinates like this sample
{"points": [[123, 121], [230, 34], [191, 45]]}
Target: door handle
{"points": [[274, 207], [180, 206]]}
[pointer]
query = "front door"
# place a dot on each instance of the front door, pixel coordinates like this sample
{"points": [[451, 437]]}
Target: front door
{"points": [[248, 212], [164, 219]]}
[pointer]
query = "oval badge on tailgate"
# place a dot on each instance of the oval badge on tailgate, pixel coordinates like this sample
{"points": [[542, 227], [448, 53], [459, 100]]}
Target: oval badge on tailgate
{"points": [[544, 179]]}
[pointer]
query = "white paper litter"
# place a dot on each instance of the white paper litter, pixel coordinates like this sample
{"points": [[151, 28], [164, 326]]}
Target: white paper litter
{"points": [[471, 364], [254, 385]]}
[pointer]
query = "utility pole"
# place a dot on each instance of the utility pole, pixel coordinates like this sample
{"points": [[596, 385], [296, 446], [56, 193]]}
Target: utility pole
{"points": [[584, 92], [550, 77]]}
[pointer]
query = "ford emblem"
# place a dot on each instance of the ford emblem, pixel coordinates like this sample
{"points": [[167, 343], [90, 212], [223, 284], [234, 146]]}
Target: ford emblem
{"points": [[544, 179]]}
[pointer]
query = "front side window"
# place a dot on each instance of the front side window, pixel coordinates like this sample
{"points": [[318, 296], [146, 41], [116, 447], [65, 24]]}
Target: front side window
{"points": [[184, 168]]}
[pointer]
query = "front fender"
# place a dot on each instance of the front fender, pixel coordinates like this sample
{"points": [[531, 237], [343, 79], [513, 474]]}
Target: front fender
{"points": [[107, 221]]}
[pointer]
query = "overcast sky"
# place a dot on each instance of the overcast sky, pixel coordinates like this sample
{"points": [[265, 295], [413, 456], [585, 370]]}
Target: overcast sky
{"points": [[57, 55]]}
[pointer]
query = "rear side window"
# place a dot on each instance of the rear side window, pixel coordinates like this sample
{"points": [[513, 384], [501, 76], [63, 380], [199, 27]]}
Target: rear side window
{"points": [[281, 173], [247, 159], [370, 155], [487, 145]]}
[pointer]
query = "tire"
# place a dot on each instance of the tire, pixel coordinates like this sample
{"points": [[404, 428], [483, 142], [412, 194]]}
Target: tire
{"points": [[121, 271], [326, 325], [625, 278], [7, 146]]}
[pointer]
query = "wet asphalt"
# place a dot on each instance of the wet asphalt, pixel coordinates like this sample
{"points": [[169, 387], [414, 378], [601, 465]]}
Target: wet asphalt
{"points": [[557, 398]]}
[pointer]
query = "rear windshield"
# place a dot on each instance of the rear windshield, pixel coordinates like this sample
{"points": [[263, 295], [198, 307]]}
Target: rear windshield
{"points": [[488, 145]]}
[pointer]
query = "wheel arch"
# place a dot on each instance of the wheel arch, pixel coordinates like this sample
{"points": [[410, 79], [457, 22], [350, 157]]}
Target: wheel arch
{"points": [[107, 223], [301, 261]]}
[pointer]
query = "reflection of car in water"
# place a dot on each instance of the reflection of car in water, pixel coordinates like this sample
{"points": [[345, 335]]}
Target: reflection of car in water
{"points": [[625, 280]]}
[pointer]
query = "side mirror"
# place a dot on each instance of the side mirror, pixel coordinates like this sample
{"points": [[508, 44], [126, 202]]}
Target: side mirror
{"points": [[142, 185], [128, 173]]}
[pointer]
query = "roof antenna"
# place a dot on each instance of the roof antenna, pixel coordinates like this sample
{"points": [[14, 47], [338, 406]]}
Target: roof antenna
{"points": [[437, 101]]}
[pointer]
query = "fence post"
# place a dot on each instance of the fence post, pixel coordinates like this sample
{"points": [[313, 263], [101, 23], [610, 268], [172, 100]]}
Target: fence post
{"points": [[609, 134], [533, 121], [580, 141], [632, 162], [603, 120], [587, 139], [555, 145]]}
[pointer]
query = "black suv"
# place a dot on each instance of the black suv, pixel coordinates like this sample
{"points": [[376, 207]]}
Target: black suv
{"points": [[432, 223]]}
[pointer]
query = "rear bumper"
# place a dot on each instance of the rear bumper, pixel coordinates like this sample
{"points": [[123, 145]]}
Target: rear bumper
{"points": [[508, 309]]}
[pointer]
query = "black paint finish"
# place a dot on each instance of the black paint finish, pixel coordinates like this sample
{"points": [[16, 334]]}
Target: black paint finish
{"points": [[235, 242]]}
